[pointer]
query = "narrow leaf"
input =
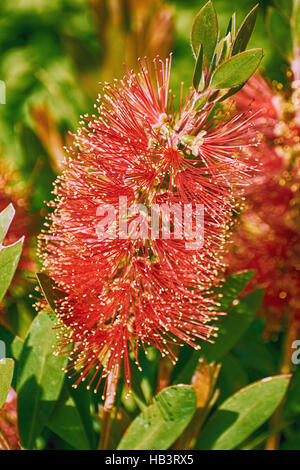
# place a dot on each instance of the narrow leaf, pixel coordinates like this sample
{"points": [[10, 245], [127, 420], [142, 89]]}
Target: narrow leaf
{"points": [[244, 412], [205, 30], [158, 427], [40, 379], [198, 71], [9, 259], [6, 218], [49, 289], [6, 375], [65, 421], [231, 26], [237, 70], [244, 33]]}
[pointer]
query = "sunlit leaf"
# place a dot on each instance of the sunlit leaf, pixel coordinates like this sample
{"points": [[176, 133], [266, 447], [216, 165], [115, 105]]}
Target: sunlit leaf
{"points": [[236, 70], [241, 414], [6, 375], [40, 378], [161, 423], [6, 218], [205, 30], [244, 33]]}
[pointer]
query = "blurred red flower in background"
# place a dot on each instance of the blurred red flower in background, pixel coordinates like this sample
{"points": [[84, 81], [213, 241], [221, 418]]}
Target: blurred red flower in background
{"points": [[268, 237]]}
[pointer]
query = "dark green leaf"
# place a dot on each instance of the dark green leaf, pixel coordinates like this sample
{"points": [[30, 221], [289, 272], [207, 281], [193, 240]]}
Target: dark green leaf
{"points": [[198, 71], [40, 379], [83, 401], [233, 326], [49, 289], [241, 414], [158, 427], [244, 33], [292, 405], [236, 70], [205, 30], [6, 375], [232, 288], [65, 421]]}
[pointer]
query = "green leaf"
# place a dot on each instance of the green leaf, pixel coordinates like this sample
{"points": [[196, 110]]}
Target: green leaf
{"points": [[158, 427], [6, 218], [9, 255], [233, 326], [205, 30], [40, 379], [241, 414], [244, 33], [9, 259], [6, 375], [280, 32], [198, 71], [236, 70], [65, 421], [231, 26], [292, 404], [83, 401], [49, 289], [232, 287]]}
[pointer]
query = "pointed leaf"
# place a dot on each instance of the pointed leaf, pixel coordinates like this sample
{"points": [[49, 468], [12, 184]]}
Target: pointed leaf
{"points": [[231, 25], [241, 414], [244, 33], [205, 30], [40, 379], [65, 421], [6, 218], [198, 71], [6, 375], [49, 289], [161, 423], [237, 70], [9, 259]]}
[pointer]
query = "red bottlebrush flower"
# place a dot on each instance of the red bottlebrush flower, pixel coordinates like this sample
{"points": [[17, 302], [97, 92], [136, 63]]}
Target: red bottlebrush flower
{"points": [[123, 292], [268, 237]]}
